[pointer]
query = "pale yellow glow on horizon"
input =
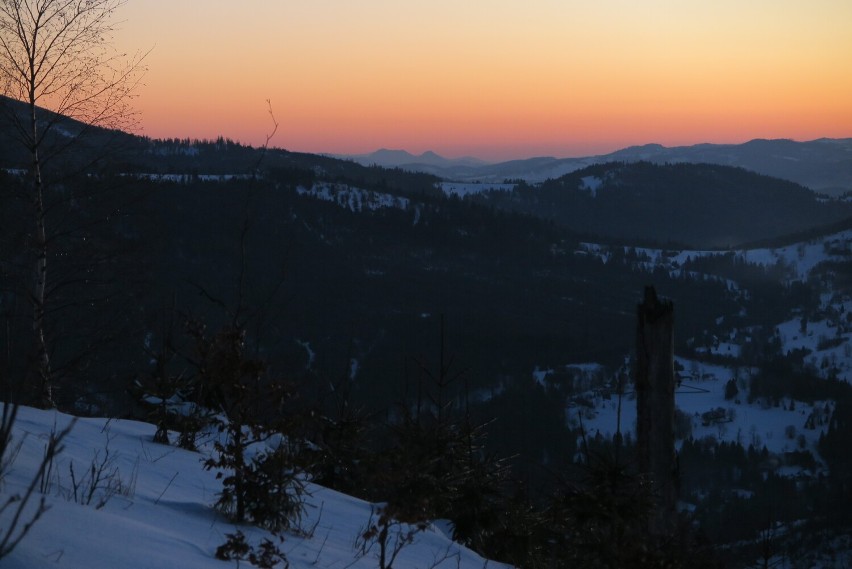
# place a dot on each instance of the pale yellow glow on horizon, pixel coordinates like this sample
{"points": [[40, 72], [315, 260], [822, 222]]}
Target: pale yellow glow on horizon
{"points": [[499, 78]]}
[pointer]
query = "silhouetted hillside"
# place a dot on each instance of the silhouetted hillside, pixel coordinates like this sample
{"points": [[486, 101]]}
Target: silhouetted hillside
{"points": [[701, 205]]}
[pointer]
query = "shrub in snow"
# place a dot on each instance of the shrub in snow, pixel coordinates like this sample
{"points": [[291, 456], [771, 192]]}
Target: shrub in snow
{"points": [[790, 432], [168, 393], [386, 536], [338, 456], [267, 555], [260, 483], [265, 489], [438, 469], [98, 483], [731, 389], [17, 516]]}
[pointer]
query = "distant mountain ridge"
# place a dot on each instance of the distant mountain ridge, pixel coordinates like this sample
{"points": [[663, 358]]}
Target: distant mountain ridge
{"points": [[823, 165], [425, 162]]}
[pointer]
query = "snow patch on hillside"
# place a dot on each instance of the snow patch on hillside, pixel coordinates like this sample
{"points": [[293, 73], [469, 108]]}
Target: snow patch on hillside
{"points": [[354, 199], [163, 517], [463, 189], [155, 177], [790, 426], [828, 346], [800, 259], [591, 184]]}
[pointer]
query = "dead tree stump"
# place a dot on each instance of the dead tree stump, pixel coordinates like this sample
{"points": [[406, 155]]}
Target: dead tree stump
{"points": [[655, 383]]}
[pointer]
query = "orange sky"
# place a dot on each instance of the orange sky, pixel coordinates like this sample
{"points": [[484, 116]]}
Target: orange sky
{"points": [[497, 79]]}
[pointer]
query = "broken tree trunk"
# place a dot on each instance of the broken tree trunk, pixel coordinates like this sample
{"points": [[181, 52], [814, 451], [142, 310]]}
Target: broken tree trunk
{"points": [[655, 383]]}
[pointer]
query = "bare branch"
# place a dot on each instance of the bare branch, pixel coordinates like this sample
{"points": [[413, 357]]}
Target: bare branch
{"points": [[21, 520]]}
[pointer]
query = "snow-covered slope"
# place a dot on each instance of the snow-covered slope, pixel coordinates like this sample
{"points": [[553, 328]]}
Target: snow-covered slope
{"points": [[791, 426], [158, 514], [826, 339], [353, 199], [462, 189], [799, 259]]}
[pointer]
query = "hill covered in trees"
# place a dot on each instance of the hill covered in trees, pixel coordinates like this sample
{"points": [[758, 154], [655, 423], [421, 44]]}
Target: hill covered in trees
{"points": [[695, 205]]}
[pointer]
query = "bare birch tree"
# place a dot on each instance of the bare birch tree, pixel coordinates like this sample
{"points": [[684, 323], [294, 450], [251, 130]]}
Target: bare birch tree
{"points": [[57, 57]]}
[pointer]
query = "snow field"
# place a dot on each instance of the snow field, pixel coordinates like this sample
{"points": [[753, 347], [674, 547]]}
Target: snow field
{"points": [[163, 519]]}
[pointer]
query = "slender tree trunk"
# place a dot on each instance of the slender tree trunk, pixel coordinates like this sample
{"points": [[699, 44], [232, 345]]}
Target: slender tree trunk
{"points": [[39, 293], [383, 542], [57, 53]]}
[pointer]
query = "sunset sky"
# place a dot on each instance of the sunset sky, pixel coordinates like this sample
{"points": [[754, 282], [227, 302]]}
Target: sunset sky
{"points": [[497, 79]]}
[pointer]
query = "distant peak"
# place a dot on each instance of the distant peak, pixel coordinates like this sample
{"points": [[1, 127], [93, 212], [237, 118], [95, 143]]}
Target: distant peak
{"points": [[391, 151]]}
